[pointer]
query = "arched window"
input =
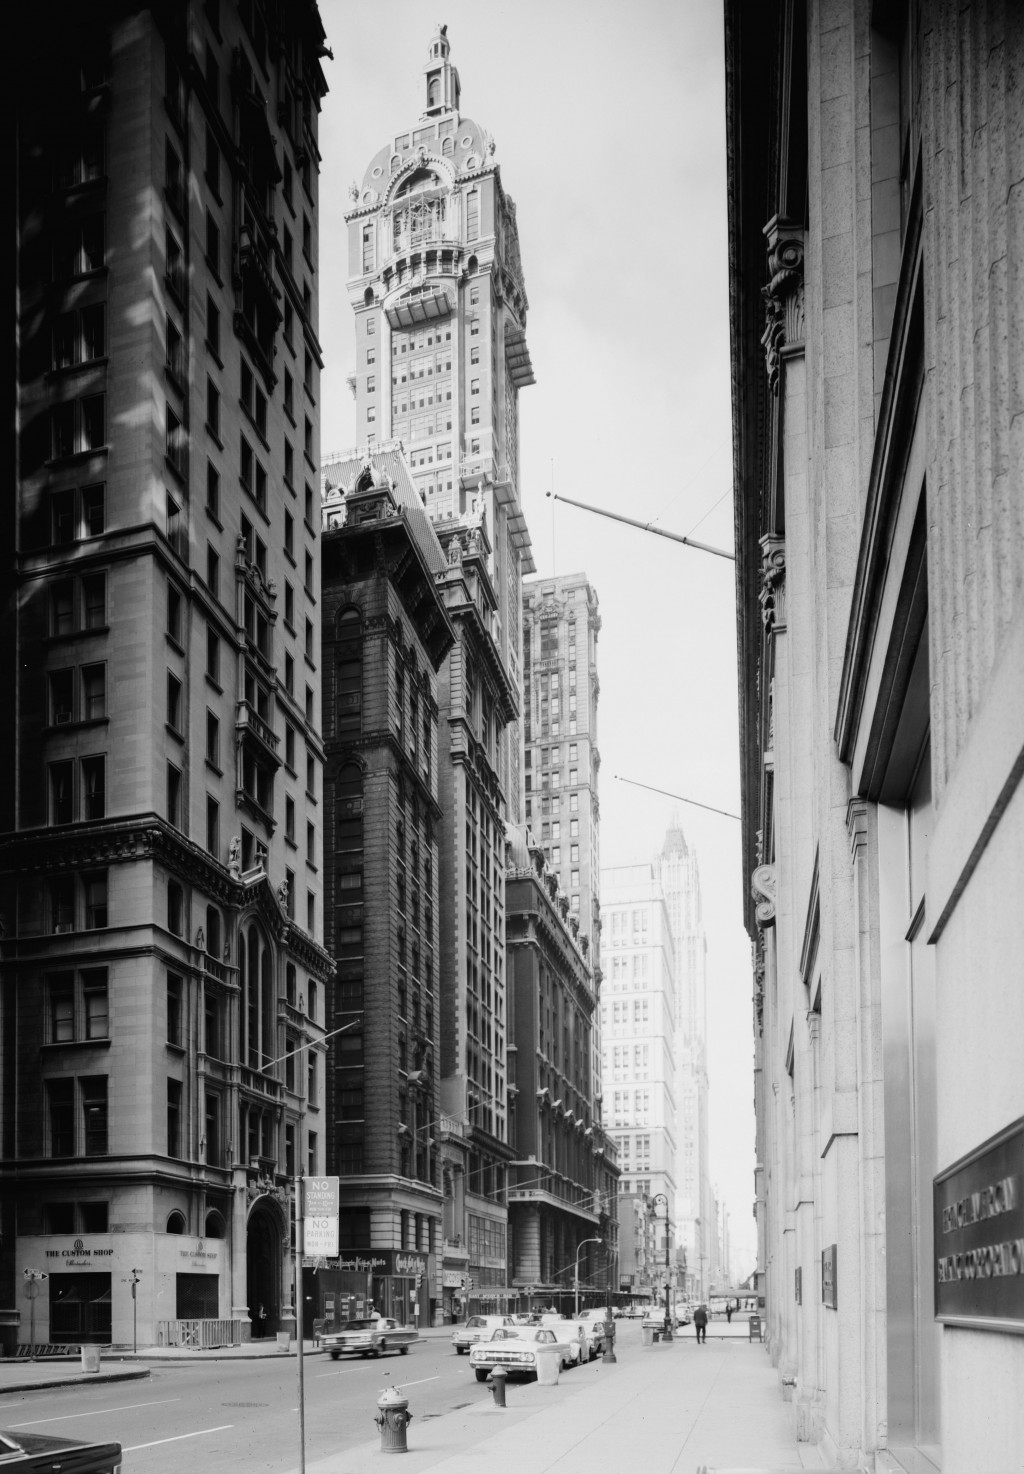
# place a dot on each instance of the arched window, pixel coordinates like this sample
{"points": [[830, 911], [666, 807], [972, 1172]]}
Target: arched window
{"points": [[448, 146], [214, 1227], [256, 979], [434, 92], [175, 1222]]}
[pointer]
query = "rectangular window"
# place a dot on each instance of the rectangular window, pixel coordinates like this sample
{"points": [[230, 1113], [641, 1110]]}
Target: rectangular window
{"points": [[62, 793], [175, 988], [289, 876], [94, 601], [289, 463], [60, 1102], [309, 639], [174, 795], [174, 1118], [95, 1007], [61, 897], [94, 1115], [213, 571], [212, 826], [311, 843], [309, 573], [213, 245], [94, 692], [213, 408], [95, 888], [212, 739], [213, 491], [61, 998], [62, 697], [212, 162], [173, 702], [94, 787], [213, 655]]}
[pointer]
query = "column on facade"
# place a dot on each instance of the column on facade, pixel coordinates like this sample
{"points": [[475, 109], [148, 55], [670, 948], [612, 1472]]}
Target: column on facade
{"points": [[528, 1256]]}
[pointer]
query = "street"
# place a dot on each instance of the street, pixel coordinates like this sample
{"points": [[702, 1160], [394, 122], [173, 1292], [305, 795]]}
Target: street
{"points": [[243, 1414]]}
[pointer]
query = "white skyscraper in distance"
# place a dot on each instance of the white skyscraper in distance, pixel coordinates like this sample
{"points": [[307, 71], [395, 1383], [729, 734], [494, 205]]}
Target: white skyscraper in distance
{"points": [[695, 1211], [638, 1033]]}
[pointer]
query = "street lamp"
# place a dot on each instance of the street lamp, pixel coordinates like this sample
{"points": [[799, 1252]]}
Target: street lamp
{"points": [[667, 1333], [576, 1275]]}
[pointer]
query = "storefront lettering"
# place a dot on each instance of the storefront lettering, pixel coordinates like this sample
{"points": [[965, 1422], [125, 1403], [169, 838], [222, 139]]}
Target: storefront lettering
{"points": [[77, 1253], [987, 1202]]}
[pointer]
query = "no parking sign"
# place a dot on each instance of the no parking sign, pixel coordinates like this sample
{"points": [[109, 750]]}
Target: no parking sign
{"points": [[320, 1197]]}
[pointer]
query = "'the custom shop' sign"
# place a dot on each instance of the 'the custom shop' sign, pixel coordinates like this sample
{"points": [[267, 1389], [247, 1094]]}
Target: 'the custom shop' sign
{"points": [[979, 1236]]}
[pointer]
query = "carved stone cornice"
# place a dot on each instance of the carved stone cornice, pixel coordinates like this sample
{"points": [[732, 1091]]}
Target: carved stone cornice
{"points": [[772, 595], [784, 294], [762, 888]]}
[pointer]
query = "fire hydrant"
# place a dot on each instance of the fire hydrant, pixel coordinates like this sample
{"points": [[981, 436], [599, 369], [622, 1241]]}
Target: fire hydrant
{"points": [[609, 1342], [392, 1420], [497, 1380]]}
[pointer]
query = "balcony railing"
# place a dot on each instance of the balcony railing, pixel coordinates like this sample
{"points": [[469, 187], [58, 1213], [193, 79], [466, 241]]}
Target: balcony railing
{"points": [[249, 723]]}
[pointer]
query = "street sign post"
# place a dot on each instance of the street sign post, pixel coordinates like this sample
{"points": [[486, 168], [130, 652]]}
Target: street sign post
{"points": [[321, 1197]]}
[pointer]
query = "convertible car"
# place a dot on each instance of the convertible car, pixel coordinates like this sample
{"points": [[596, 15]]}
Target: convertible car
{"points": [[370, 1338]]}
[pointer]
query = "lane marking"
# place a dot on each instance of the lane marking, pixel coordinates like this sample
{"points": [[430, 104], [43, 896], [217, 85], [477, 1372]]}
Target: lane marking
{"points": [[127, 1408], [199, 1433], [399, 1385]]}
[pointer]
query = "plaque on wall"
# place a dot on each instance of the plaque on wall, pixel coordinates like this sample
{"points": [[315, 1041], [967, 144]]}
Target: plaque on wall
{"points": [[798, 1282], [978, 1206], [828, 1277]]}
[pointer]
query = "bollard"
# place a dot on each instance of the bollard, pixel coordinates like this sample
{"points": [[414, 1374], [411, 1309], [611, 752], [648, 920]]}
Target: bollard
{"points": [[497, 1381], [609, 1342], [392, 1419]]}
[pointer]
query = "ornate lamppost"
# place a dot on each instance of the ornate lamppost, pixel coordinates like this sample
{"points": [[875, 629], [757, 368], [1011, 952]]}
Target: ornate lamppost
{"points": [[667, 1333]]}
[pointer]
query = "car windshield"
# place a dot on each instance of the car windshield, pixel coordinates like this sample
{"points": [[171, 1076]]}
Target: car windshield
{"points": [[358, 1325], [476, 1320]]}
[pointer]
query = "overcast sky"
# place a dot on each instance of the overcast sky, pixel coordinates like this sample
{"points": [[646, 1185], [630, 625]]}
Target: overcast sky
{"points": [[609, 125]]}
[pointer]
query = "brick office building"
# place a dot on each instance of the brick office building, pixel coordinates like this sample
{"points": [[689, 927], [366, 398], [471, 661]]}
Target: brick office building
{"points": [[386, 635], [160, 824]]}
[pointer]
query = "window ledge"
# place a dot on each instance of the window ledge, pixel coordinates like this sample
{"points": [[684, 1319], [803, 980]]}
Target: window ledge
{"points": [[76, 458], [173, 732], [81, 724], [50, 1045]]}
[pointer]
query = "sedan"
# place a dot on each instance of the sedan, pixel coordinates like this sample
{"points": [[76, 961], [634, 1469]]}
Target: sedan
{"points": [[515, 1348], [477, 1328], [30, 1452], [370, 1338]]}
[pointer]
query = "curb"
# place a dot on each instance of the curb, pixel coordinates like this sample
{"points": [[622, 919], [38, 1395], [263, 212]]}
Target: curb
{"points": [[87, 1379]]}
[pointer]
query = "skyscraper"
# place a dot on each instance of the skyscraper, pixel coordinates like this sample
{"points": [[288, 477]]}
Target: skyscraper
{"points": [[436, 285], [561, 624], [679, 872], [159, 800]]}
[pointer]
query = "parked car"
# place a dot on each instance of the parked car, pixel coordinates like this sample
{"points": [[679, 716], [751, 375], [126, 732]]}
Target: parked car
{"points": [[27, 1452], [516, 1347], [478, 1328], [595, 1320], [684, 1315], [633, 1312], [573, 1331], [370, 1338], [654, 1318]]}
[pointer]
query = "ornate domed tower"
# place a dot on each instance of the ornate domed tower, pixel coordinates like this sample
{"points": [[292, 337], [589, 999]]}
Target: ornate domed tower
{"points": [[436, 286]]}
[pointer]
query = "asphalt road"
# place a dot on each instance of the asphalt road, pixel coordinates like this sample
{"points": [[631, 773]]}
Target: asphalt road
{"points": [[235, 1415]]}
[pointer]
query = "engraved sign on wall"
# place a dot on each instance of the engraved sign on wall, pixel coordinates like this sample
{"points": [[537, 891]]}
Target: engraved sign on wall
{"points": [[978, 1206]]}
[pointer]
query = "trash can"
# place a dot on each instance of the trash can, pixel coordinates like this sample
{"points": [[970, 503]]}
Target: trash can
{"points": [[90, 1358], [755, 1327], [548, 1367], [284, 1340], [647, 1335]]}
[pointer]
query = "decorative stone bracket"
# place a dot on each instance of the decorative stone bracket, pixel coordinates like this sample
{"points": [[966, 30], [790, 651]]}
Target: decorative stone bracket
{"points": [[784, 294]]}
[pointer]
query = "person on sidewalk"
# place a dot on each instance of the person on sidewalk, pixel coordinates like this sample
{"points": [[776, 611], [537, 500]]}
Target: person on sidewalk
{"points": [[728, 1311], [700, 1321]]}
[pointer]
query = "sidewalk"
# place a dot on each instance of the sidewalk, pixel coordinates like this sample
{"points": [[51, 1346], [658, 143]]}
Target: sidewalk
{"points": [[678, 1408]]}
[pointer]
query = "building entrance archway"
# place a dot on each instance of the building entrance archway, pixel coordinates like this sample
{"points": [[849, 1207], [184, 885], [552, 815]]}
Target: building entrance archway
{"points": [[263, 1244]]}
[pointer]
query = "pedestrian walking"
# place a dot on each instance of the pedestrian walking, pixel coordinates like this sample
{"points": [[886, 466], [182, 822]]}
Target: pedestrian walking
{"points": [[700, 1321], [728, 1312]]}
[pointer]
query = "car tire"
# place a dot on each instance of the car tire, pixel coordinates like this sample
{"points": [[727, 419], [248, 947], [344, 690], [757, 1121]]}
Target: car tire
{"points": [[403, 1350], [461, 1350], [335, 1355], [380, 1348], [481, 1374]]}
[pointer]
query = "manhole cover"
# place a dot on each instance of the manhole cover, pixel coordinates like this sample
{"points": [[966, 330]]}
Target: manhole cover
{"points": [[245, 1404]]}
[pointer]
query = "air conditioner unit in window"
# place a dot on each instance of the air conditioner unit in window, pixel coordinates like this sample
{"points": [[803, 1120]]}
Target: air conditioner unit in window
{"points": [[63, 926], [62, 716]]}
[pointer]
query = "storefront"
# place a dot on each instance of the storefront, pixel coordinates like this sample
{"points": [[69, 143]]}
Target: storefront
{"points": [[120, 1289], [392, 1282]]}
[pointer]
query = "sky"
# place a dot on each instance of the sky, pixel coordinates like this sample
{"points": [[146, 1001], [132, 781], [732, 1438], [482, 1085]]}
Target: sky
{"points": [[609, 125]]}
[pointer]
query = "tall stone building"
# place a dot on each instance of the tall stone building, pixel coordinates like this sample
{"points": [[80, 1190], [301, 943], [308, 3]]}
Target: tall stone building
{"points": [[386, 636], [160, 784], [436, 285], [561, 624], [563, 1184], [679, 872], [876, 258], [638, 1035]]}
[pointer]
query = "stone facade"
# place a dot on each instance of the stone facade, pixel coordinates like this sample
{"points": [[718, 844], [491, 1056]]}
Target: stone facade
{"points": [[162, 974], [876, 326], [562, 1187]]}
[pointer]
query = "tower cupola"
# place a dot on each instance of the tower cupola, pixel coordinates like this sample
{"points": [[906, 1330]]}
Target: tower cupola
{"points": [[442, 80]]}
